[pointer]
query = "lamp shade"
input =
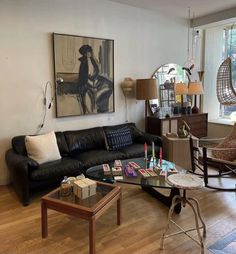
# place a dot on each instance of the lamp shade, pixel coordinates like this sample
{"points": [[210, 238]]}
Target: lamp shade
{"points": [[181, 88], [195, 88], [146, 89]]}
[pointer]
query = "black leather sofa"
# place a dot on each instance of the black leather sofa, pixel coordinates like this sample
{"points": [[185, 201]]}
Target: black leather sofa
{"points": [[79, 149]]}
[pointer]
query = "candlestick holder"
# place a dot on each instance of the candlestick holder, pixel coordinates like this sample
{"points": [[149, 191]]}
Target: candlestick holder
{"points": [[160, 163], [146, 162], [152, 162]]}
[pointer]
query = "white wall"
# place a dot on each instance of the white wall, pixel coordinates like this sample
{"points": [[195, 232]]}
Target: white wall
{"points": [[144, 40]]}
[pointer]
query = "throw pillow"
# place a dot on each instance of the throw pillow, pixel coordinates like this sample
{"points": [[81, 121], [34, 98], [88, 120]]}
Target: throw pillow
{"points": [[228, 142], [117, 139], [42, 148]]}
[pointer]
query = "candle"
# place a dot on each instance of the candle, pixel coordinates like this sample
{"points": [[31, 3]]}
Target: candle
{"points": [[160, 156], [145, 150], [153, 150]]}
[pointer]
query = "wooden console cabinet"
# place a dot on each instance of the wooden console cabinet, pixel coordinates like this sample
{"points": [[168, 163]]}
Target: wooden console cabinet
{"points": [[160, 126]]}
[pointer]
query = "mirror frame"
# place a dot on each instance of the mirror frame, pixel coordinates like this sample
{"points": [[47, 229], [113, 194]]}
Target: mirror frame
{"points": [[167, 86]]}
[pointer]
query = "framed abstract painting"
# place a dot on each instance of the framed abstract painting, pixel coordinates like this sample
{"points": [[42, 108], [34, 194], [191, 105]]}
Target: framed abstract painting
{"points": [[84, 74]]}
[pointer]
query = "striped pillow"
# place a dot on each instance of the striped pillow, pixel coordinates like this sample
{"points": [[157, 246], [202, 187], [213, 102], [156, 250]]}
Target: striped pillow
{"points": [[117, 139]]}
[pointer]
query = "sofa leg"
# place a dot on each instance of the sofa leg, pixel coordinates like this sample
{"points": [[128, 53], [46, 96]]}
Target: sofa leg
{"points": [[23, 194], [25, 198], [25, 202]]}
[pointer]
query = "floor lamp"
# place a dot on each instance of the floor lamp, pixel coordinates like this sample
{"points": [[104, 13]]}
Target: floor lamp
{"points": [[146, 89]]}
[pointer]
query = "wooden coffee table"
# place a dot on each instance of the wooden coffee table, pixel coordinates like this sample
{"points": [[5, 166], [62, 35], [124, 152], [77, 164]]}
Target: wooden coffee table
{"points": [[89, 209]]}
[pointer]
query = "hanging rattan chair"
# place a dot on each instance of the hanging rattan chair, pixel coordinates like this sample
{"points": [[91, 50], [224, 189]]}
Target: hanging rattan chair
{"points": [[225, 91]]}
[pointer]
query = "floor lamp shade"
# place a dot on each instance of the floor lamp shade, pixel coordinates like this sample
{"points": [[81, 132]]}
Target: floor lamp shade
{"points": [[146, 89]]}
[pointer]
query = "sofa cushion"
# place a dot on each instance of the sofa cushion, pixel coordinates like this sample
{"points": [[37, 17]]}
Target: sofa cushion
{"points": [[117, 139], [137, 150], [56, 169], [228, 147], [84, 140], [42, 148], [18, 144], [225, 151], [130, 126], [97, 157]]}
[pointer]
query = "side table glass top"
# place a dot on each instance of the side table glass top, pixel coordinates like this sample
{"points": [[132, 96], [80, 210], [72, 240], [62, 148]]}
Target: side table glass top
{"points": [[102, 191], [96, 173]]}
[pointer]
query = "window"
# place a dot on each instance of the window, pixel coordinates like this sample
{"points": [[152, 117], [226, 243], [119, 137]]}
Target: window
{"points": [[229, 50]]}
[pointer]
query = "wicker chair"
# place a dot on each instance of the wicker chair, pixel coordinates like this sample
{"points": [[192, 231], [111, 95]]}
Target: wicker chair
{"points": [[217, 173], [225, 91]]}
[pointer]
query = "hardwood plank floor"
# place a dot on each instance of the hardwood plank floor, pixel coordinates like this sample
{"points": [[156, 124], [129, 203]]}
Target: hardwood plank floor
{"points": [[143, 222]]}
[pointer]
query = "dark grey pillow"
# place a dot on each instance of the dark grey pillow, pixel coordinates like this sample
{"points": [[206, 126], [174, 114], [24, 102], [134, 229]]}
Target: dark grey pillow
{"points": [[117, 139]]}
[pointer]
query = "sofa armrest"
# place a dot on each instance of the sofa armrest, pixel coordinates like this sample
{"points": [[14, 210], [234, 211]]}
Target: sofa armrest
{"points": [[19, 162], [19, 167], [142, 137], [149, 138]]}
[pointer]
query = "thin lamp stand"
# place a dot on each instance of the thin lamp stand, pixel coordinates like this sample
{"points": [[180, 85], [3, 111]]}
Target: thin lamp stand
{"points": [[146, 109], [126, 110], [201, 75], [195, 108]]}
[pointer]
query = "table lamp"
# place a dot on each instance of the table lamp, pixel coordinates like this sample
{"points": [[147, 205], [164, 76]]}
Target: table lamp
{"points": [[195, 88], [146, 89], [181, 89]]}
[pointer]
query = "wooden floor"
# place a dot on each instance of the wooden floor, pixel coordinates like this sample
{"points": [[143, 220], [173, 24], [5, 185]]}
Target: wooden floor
{"points": [[143, 221]]}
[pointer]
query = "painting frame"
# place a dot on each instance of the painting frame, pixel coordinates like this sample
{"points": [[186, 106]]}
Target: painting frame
{"points": [[84, 75]]}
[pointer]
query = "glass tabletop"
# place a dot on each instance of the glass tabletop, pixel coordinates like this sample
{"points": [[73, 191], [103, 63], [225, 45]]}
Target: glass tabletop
{"points": [[102, 191], [158, 181]]}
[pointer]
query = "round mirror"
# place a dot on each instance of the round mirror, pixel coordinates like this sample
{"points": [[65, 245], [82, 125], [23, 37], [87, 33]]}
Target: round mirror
{"points": [[167, 75]]}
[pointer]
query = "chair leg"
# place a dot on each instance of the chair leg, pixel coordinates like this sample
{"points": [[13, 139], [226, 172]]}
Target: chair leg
{"points": [[176, 200], [197, 226], [199, 215], [205, 166]]}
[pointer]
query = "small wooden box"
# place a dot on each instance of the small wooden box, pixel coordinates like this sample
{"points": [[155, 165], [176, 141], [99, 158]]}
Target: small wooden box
{"points": [[117, 171], [92, 186], [157, 170], [151, 172], [81, 189], [143, 172], [106, 169], [162, 176]]}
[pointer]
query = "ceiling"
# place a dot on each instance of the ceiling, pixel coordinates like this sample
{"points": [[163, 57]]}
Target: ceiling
{"points": [[179, 8]]}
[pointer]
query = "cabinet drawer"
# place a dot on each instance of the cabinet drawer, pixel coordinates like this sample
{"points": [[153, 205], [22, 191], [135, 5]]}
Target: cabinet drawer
{"points": [[200, 125], [196, 122], [199, 132]]}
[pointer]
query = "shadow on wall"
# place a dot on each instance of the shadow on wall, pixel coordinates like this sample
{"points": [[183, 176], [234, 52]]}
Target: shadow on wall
{"points": [[4, 175]]}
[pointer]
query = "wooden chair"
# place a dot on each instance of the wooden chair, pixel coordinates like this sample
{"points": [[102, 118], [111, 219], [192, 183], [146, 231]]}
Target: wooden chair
{"points": [[214, 171]]}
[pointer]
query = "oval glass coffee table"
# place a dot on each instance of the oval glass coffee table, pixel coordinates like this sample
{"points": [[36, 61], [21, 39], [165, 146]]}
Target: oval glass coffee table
{"points": [[151, 184]]}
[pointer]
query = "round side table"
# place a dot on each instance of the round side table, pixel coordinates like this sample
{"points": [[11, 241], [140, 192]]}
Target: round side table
{"points": [[186, 182]]}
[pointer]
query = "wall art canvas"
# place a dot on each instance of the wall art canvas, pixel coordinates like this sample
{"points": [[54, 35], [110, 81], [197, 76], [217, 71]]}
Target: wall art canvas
{"points": [[84, 74]]}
